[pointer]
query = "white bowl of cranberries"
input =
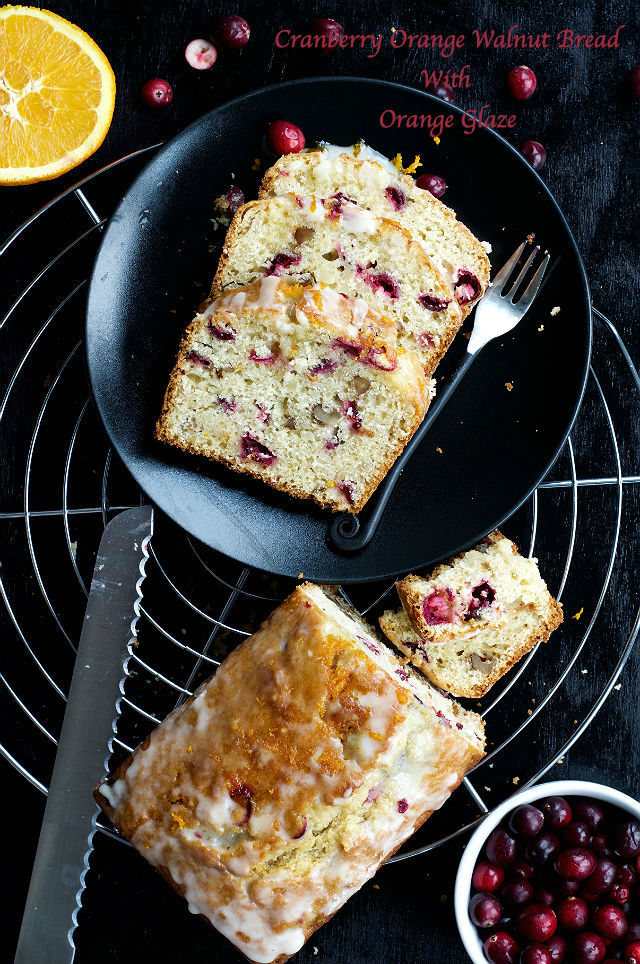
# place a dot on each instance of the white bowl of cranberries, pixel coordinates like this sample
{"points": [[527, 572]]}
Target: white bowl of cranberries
{"points": [[553, 875]]}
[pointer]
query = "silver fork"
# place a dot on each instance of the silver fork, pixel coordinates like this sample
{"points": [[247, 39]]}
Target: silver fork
{"points": [[496, 314]]}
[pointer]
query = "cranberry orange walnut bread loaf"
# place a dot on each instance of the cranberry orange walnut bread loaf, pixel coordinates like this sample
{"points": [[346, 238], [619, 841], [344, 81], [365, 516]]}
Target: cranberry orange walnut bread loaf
{"points": [[303, 388], [471, 620], [344, 246], [333, 172], [279, 788]]}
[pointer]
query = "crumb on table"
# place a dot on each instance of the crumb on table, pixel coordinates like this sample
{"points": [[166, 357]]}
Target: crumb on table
{"points": [[508, 386], [555, 310]]}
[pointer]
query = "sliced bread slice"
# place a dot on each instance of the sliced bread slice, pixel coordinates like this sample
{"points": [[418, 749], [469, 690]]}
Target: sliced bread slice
{"points": [[478, 589], [346, 247], [490, 588], [300, 387], [331, 172]]}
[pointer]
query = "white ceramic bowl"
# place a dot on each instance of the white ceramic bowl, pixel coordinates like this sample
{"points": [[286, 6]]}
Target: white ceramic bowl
{"points": [[559, 788]]}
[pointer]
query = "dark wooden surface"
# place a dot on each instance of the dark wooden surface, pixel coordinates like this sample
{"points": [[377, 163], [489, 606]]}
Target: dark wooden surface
{"points": [[591, 134]]}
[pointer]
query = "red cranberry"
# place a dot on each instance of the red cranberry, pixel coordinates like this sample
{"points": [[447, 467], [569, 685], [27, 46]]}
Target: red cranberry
{"points": [[557, 812], [557, 948], [396, 198], [600, 845], [590, 812], [576, 834], [633, 82], [567, 888], [197, 360], [535, 954], [632, 952], [626, 874], [501, 948], [627, 838], [575, 863], [485, 910], [285, 138], [588, 948], [523, 869], [522, 82], [542, 848], [610, 922], [535, 153], [432, 183], [501, 847], [234, 198], [157, 93], [200, 54], [573, 913], [251, 449], [487, 876], [619, 894], [545, 896], [231, 31], [603, 876], [537, 922], [517, 893], [330, 32], [443, 90], [526, 820]]}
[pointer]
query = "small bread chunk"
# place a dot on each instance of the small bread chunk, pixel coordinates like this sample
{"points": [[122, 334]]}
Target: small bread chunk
{"points": [[340, 244], [461, 257], [302, 388], [472, 619], [478, 589], [276, 791]]}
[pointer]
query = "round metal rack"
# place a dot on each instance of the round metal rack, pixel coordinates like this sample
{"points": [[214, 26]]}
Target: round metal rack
{"points": [[62, 484]]}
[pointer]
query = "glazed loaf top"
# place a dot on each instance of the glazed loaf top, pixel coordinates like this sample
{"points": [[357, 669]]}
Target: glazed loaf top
{"points": [[277, 790]]}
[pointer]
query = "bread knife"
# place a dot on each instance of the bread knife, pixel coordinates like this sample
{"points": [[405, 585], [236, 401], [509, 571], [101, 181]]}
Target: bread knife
{"points": [[65, 842]]}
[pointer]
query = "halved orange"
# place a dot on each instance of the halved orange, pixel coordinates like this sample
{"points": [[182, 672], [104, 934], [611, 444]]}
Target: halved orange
{"points": [[57, 93]]}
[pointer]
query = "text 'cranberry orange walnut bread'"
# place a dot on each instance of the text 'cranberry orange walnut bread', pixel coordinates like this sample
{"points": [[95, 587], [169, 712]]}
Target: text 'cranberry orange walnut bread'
{"points": [[301, 387], [334, 172], [279, 788], [344, 246], [468, 622]]}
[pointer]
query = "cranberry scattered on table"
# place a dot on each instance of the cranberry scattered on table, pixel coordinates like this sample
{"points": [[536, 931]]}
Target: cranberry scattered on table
{"points": [[558, 881], [521, 82], [231, 31], [535, 153], [432, 183], [157, 93], [200, 54], [331, 32], [285, 138]]}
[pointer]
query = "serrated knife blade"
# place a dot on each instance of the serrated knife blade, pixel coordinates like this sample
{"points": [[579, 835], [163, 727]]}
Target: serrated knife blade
{"points": [[68, 825]]}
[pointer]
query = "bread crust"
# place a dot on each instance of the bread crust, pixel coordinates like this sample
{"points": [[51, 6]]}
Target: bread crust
{"points": [[476, 251], [241, 224]]}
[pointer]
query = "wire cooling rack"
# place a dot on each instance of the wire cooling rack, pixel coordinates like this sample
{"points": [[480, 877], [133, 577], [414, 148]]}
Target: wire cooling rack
{"points": [[62, 484]]}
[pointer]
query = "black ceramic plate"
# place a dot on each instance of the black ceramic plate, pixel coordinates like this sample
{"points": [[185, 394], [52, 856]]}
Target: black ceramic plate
{"points": [[155, 266]]}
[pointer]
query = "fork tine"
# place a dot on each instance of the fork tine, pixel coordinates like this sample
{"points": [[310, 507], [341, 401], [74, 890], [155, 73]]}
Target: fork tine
{"points": [[524, 270], [532, 288], [505, 271]]}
